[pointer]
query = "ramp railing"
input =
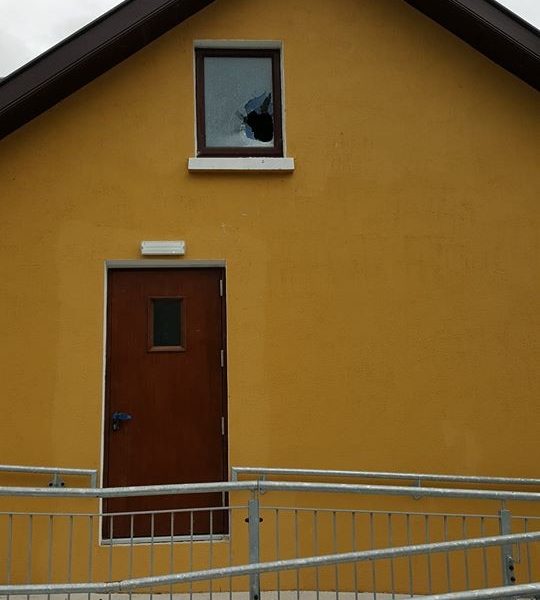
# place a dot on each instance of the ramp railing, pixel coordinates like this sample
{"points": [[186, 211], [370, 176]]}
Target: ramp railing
{"points": [[289, 538], [353, 559], [56, 472], [417, 479]]}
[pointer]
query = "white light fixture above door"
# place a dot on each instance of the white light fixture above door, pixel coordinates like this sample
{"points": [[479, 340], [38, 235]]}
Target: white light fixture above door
{"points": [[162, 248]]}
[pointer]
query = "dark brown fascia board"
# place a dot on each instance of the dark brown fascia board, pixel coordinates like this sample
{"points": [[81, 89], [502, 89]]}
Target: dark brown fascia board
{"points": [[85, 55], [491, 29]]}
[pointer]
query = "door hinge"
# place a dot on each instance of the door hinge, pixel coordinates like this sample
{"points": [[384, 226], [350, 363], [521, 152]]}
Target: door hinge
{"points": [[222, 425], [222, 357], [221, 287]]}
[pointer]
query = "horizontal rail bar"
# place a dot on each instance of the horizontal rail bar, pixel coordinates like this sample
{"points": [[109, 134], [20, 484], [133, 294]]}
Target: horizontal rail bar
{"points": [[395, 490], [29, 469], [236, 471], [333, 559], [512, 591], [278, 565], [164, 511], [275, 486], [46, 470], [124, 492]]}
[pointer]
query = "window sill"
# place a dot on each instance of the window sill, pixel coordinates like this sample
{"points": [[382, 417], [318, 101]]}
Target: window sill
{"points": [[263, 163]]}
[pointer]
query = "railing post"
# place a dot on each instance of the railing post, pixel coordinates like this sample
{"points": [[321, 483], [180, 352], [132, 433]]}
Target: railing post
{"points": [[56, 481], [253, 534], [507, 560]]}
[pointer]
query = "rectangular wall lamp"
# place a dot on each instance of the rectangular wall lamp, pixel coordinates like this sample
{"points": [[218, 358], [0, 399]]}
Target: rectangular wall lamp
{"points": [[161, 248]]}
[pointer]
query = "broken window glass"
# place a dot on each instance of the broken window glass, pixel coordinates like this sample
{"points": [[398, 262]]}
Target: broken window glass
{"points": [[238, 102]]}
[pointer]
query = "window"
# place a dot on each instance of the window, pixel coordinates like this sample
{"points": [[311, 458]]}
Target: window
{"points": [[239, 106], [165, 324]]}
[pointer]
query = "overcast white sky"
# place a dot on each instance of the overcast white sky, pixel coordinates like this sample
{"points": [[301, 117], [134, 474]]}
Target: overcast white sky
{"points": [[29, 27]]}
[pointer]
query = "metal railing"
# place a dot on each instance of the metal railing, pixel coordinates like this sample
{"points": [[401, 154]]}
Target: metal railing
{"points": [[268, 486], [264, 472], [56, 472], [291, 528], [530, 590], [260, 568], [416, 478]]}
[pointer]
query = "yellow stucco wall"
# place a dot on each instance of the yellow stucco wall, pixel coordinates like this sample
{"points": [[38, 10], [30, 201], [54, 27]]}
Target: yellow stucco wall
{"points": [[382, 299]]}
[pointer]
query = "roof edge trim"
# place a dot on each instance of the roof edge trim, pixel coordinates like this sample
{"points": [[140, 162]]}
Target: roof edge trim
{"points": [[493, 30], [85, 55]]}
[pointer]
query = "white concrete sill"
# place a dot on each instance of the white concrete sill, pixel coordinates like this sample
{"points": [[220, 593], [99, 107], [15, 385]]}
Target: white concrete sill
{"points": [[263, 163]]}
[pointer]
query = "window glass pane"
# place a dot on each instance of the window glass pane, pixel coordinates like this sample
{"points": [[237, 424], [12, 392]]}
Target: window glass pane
{"points": [[167, 326], [238, 102]]}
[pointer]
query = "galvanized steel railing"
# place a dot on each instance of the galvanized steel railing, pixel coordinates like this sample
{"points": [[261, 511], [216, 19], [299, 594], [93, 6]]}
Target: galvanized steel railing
{"points": [[56, 472], [268, 486], [145, 583], [531, 590], [365, 550], [418, 478], [265, 472]]}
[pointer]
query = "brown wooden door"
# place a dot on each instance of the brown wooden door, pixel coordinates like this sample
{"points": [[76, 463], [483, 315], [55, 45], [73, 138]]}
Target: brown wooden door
{"points": [[165, 409]]}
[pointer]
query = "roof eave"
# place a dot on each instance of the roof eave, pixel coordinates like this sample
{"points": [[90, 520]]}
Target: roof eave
{"points": [[492, 30], [82, 57]]}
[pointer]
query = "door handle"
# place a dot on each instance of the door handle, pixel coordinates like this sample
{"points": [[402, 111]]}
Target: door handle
{"points": [[118, 418]]}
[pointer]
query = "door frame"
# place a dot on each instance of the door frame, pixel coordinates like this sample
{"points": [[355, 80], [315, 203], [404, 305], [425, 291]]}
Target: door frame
{"points": [[159, 264]]}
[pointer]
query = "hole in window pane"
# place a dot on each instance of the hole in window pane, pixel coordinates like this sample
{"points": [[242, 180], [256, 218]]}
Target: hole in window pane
{"points": [[166, 322]]}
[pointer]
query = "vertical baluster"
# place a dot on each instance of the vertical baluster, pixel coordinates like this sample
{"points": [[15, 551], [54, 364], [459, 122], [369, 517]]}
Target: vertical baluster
{"points": [[30, 543], [90, 550], [527, 545], [372, 545], [484, 554], [355, 564], [465, 552], [390, 545], [111, 537], [335, 546], [50, 550], [229, 512], [316, 550], [409, 558], [131, 548], [171, 555], [9, 549], [191, 527], [428, 556], [70, 550], [445, 538], [211, 552], [152, 534], [297, 553], [278, 573]]}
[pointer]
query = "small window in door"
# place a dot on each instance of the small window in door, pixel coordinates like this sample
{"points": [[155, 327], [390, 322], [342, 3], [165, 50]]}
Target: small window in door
{"points": [[166, 325]]}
